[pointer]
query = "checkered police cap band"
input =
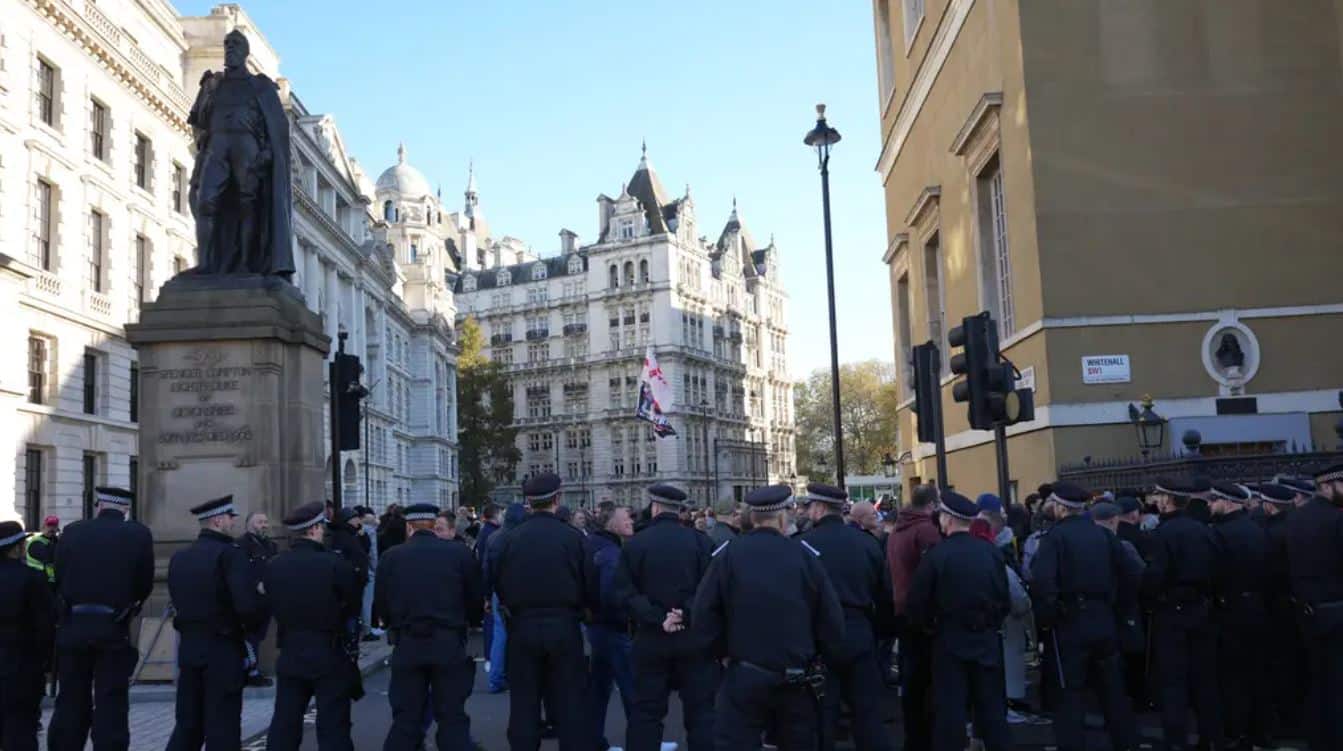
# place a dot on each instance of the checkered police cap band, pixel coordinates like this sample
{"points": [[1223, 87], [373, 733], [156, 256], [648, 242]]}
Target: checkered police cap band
{"points": [[227, 508]]}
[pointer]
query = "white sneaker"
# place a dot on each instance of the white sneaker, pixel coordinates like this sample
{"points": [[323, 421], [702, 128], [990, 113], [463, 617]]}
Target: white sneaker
{"points": [[377, 632], [668, 746], [1016, 718], [487, 669]]}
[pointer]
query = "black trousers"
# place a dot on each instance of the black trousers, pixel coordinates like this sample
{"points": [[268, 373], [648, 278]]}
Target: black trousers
{"points": [[209, 694], [916, 690], [292, 694], [20, 707], [444, 688], [545, 659], [1084, 663], [94, 695], [751, 701], [1184, 664], [859, 684], [662, 663], [1243, 677], [1286, 670], [1324, 718], [960, 684]]}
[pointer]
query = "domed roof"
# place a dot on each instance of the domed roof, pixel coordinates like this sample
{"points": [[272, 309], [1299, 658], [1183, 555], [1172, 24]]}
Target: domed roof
{"points": [[403, 178]]}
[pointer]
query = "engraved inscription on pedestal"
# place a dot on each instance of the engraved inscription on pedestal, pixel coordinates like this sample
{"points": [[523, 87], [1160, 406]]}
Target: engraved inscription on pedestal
{"points": [[205, 401]]}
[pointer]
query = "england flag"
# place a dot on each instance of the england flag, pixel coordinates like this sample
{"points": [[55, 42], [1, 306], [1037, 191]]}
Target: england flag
{"points": [[655, 394]]}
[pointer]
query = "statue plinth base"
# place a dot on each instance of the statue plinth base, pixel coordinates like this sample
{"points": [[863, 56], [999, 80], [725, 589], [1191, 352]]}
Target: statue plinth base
{"points": [[232, 402]]}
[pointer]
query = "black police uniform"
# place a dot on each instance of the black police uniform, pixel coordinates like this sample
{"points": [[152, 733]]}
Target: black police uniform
{"points": [[1315, 557], [1082, 579], [960, 593], [545, 581], [1286, 662], [216, 599], [26, 633], [312, 592], [767, 605], [658, 571], [857, 569], [104, 572], [1178, 583], [431, 591], [1241, 612]]}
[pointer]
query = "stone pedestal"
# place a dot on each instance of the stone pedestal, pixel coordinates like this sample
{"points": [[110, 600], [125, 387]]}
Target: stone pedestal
{"points": [[231, 403]]}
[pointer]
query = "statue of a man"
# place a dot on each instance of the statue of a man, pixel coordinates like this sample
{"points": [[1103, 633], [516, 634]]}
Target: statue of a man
{"points": [[240, 190]]}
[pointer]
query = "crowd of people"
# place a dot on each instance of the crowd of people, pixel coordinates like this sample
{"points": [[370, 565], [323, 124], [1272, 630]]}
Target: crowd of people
{"points": [[1216, 600]]}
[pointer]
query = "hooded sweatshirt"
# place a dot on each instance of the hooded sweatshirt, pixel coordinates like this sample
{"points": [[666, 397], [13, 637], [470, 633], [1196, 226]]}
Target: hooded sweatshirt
{"points": [[915, 532]]}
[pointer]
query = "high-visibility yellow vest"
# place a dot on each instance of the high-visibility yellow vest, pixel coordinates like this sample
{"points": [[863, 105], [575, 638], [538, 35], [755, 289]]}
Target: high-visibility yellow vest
{"points": [[47, 568]]}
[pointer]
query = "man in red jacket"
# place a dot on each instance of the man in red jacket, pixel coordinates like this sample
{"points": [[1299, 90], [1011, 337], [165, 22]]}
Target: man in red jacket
{"points": [[915, 532]]}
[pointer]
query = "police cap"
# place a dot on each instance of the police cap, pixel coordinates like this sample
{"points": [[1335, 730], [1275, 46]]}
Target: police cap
{"points": [[1069, 494], [305, 516], [541, 488], [1275, 493], [1298, 485], [215, 507], [1173, 487], [11, 534], [113, 496], [1332, 473], [421, 512], [1105, 511], [668, 495], [1128, 504], [1230, 491], [1201, 485], [819, 492], [770, 498], [956, 505]]}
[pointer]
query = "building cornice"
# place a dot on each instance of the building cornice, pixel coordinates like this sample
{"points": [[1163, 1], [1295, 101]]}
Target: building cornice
{"points": [[900, 240], [930, 196], [990, 102]]}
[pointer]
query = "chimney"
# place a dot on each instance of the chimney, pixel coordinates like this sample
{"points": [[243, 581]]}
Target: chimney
{"points": [[568, 241]]}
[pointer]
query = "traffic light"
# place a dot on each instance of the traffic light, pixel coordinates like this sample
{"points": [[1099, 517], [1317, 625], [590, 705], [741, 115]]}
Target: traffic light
{"points": [[349, 393], [927, 390], [989, 386]]}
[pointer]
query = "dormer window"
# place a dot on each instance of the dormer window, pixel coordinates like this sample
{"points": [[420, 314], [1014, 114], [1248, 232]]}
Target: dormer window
{"points": [[575, 265], [503, 279], [469, 283], [539, 271]]}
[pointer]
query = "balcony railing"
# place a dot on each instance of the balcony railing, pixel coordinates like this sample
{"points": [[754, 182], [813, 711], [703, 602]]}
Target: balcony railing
{"points": [[499, 339], [97, 303], [571, 329], [537, 334]]}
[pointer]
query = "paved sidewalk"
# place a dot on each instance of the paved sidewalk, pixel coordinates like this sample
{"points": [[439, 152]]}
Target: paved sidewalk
{"points": [[153, 708]]}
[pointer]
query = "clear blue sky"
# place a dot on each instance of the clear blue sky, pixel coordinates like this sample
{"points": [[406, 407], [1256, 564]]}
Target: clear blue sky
{"points": [[551, 98]]}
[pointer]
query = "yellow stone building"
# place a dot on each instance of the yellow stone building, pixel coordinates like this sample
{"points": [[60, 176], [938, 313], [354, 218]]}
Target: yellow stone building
{"points": [[1148, 196]]}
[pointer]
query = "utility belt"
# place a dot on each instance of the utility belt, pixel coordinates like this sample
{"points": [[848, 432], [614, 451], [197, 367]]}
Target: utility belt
{"points": [[208, 630], [424, 630], [105, 613], [811, 677], [1322, 618], [975, 622], [1070, 605], [305, 637], [1182, 597], [539, 612], [1237, 600]]}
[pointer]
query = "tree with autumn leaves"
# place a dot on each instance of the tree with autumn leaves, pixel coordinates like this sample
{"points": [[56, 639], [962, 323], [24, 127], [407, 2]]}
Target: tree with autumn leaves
{"points": [[487, 438], [868, 403]]}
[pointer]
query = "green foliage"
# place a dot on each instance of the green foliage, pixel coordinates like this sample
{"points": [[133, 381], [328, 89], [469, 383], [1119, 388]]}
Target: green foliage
{"points": [[487, 439], [868, 400]]}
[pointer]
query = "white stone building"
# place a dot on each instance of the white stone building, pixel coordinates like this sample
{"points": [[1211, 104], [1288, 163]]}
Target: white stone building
{"points": [[95, 156], [573, 329]]}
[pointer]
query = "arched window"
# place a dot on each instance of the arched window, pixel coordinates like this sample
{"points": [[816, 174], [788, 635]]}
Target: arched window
{"points": [[414, 252], [539, 270], [388, 213], [629, 273], [614, 281], [643, 271]]}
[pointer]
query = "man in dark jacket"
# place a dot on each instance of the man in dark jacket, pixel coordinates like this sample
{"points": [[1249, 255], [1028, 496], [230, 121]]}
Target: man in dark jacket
{"points": [[26, 634], [342, 537], [1287, 662], [488, 526], [608, 631], [260, 548], [391, 528], [915, 533]]}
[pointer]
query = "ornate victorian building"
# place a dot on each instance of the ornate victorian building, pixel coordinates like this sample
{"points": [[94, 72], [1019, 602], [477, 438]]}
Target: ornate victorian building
{"points": [[95, 157], [573, 328]]}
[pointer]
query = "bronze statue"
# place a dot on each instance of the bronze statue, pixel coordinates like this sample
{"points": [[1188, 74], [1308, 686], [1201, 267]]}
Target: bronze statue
{"points": [[1229, 354], [240, 185]]}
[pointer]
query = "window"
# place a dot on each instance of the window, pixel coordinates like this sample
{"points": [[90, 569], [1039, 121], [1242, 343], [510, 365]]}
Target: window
{"points": [[643, 271], [995, 260], [32, 488], [932, 270], [141, 162], [90, 467], [141, 268], [133, 472], [503, 278], [90, 382], [539, 270], [885, 53], [629, 273], [179, 188], [179, 264], [135, 392], [906, 343], [38, 366], [44, 218], [913, 15], [614, 280], [46, 92], [575, 265], [98, 127], [469, 283], [97, 249], [387, 211]]}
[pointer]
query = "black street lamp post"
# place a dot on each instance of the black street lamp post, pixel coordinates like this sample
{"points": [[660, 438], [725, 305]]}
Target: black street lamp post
{"points": [[1150, 427], [822, 137]]}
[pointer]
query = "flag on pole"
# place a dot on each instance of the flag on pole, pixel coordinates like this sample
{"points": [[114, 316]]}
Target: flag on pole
{"points": [[654, 395]]}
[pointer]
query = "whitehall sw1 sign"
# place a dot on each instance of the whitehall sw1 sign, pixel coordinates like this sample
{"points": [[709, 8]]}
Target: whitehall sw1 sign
{"points": [[1106, 369]]}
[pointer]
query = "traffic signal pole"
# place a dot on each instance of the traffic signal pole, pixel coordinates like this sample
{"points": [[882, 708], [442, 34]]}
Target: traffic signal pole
{"points": [[1004, 483], [940, 442], [333, 378]]}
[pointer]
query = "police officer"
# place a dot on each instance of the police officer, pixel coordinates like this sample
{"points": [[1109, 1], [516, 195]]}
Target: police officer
{"points": [[312, 592], [656, 577], [1303, 488], [1179, 583], [1241, 592], [857, 569], [545, 581], [1315, 560], [104, 572], [1082, 579], [1286, 662], [26, 633], [960, 593], [217, 601], [430, 590], [767, 605]]}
